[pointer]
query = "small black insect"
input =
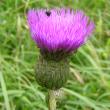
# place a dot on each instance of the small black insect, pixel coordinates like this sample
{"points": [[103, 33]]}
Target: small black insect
{"points": [[48, 13]]}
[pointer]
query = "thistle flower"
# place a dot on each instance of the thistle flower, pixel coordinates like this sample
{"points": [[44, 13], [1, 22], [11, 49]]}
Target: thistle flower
{"points": [[58, 33]]}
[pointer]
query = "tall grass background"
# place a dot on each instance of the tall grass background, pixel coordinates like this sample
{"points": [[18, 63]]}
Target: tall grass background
{"points": [[89, 86]]}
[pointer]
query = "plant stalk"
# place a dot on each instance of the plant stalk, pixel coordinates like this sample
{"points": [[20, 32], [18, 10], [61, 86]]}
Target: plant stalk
{"points": [[52, 100]]}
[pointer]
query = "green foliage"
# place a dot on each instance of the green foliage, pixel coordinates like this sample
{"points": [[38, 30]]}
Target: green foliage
{"points": [[89, 86]]}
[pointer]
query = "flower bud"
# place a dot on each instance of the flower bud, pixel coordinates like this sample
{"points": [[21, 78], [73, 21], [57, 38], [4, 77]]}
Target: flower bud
{"points": [[52, 74]]}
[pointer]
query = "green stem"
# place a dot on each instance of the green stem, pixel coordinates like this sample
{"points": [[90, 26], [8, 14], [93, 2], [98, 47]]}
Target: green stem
{"points": [[52, 100]]}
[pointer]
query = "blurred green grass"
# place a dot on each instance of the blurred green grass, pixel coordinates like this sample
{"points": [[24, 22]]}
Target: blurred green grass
{"points": [[88, 88]]}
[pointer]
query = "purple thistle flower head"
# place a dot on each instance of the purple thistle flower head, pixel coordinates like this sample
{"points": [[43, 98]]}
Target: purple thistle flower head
{"points": [[59, 31]]}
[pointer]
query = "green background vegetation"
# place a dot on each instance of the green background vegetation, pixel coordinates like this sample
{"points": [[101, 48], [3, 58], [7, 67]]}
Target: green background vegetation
{"points": [[89, 86]]}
